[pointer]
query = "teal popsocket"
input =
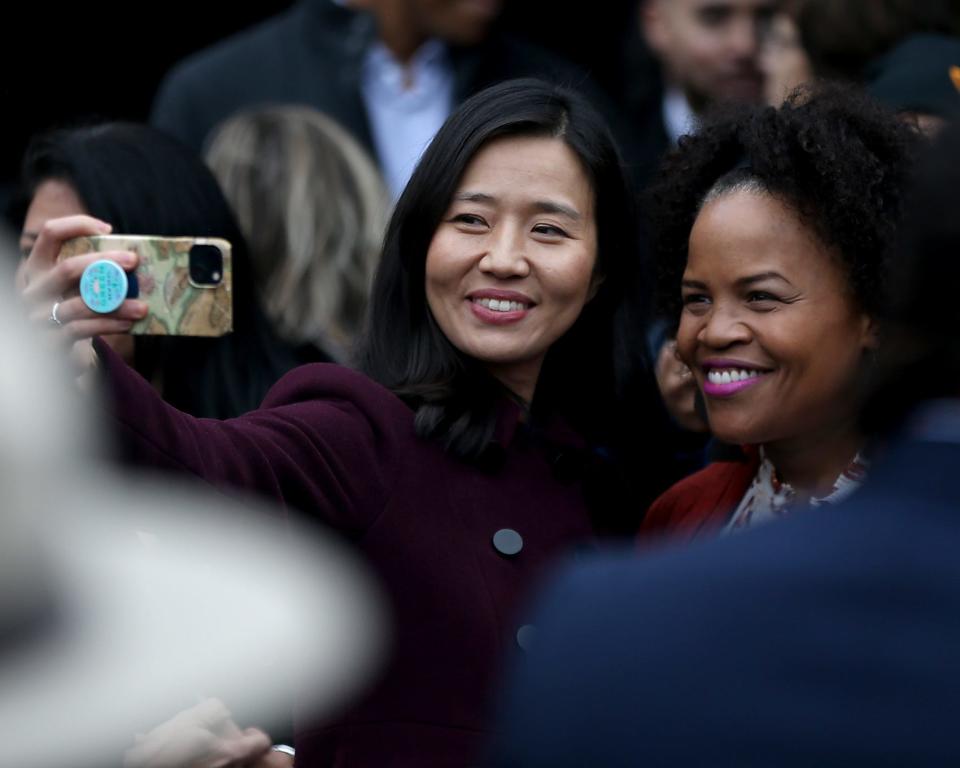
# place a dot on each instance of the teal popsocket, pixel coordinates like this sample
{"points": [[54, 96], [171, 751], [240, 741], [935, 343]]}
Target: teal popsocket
{"points": [[103, 286]]}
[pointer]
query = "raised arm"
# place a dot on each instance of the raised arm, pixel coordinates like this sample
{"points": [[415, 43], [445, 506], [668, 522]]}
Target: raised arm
{"points": [[324, 441], [321, 443]]}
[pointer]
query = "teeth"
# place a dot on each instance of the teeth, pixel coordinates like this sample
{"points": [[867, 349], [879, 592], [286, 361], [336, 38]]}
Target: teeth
{"points": [[730, 376], [497, 305]]}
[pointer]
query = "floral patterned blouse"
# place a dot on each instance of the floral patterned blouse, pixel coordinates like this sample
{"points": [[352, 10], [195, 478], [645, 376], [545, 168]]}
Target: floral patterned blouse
{"points": [[769, 498]]}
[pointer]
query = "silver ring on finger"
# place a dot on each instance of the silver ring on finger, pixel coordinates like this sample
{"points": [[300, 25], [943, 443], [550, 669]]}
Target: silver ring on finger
{"points": [[53, 314]]}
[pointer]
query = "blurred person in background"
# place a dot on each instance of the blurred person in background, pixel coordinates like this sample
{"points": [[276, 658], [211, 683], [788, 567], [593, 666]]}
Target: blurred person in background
{"points": [[863, 42], [389, 71], [708, 55], [708, 51], [679, 389], [920, 80], [145, 183], [773, 229], [314, 210], [842, 38], [783, 59], [829, 639], [901, 50]]}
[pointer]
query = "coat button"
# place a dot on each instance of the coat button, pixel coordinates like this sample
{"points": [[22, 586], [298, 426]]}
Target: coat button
{"points": [[525, 636], [507, 542]]}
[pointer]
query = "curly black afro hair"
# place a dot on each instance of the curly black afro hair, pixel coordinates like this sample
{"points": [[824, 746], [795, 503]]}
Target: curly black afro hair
{"points": [[833, 155]]}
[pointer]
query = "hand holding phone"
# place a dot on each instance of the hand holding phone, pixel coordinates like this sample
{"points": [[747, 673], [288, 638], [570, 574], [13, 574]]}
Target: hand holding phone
{"points": [[185, 281]]}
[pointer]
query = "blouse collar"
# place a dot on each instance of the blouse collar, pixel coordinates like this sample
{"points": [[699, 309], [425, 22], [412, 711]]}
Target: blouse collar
{"points": [[769, 497]]}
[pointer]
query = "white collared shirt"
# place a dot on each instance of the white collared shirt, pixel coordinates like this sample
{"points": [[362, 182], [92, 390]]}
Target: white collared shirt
{"points": [[406, 104], [678, 117]]}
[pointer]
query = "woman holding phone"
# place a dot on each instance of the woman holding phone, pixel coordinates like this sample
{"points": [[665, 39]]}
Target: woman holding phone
{"points": [[459, 457]]}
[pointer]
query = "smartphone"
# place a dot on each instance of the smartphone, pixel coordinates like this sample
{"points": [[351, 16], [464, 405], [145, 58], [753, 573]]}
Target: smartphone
{"points": [[185, 281]]}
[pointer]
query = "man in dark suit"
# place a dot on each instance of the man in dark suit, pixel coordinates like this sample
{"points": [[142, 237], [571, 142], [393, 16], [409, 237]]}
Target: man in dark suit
{"points": [[828, 639], [389, 71], [707, 52]]}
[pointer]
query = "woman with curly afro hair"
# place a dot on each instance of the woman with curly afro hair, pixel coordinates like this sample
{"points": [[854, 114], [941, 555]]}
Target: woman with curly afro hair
{"points": [[772, 230]]}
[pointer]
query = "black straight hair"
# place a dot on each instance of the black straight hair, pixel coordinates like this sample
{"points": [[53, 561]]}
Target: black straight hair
{"points": [[454, 398], [144, 182]]}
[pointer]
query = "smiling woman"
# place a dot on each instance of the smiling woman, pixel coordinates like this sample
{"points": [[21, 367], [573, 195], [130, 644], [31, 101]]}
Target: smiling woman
{"points": [[774, 229], [767, 309], [459, 458], [511, 265], [519, 202]]}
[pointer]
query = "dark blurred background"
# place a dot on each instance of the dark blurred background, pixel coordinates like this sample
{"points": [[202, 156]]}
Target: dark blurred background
{"points": [[65, 63]]}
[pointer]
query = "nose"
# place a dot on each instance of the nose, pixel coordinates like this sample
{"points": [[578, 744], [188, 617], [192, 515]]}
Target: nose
{"points": [[744, 37], [504, 257], [723, 329]]}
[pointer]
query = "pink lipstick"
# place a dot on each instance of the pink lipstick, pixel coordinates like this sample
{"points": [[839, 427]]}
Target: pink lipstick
{"points": [[496, 307], [725, 378]]}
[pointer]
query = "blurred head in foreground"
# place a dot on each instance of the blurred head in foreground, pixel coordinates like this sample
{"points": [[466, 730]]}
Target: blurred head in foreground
{"points": [[122, 601]]}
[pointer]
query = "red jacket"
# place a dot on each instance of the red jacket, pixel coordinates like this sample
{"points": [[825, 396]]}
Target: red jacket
{"points": [[700, 505]]}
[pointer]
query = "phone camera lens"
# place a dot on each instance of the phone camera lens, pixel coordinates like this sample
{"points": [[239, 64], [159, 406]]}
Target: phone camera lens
{"points": [[206, 265]]}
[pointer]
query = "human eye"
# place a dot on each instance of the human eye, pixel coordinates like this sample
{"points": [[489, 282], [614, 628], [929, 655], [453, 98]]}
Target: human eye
{"points": [[550, 230], [469, 220], [695, 302], [763, 300]]}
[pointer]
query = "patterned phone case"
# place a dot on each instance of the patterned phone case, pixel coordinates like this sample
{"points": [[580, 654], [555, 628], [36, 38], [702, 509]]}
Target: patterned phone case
{"points": [[178, 306]]}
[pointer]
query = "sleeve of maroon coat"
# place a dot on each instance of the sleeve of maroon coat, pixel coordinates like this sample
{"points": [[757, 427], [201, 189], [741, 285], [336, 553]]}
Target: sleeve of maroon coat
{"points": [[700, 504], [321, 441]]}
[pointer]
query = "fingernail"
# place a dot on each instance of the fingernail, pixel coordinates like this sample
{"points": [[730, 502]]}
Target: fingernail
{"points": [[104, 227], [128, 259]]}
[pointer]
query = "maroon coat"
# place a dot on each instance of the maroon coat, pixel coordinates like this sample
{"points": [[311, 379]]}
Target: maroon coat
{"points": [[332, 442]]}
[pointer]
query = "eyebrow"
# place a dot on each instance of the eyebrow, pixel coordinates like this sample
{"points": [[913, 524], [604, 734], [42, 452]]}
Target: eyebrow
{"points": [[542, 206], [742, 282], [759, 278]]}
